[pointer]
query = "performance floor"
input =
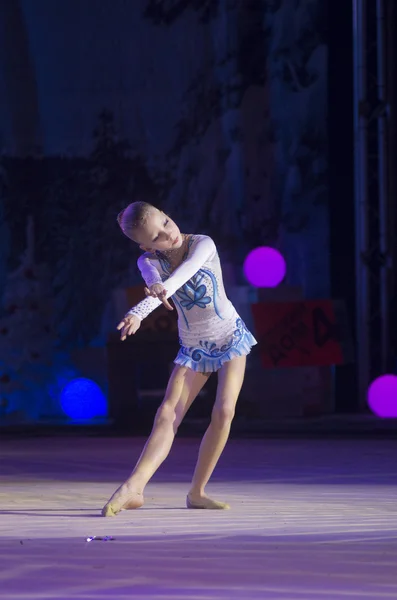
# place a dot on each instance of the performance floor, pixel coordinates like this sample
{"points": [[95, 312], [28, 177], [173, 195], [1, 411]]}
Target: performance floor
{"points": [[310, 519]]}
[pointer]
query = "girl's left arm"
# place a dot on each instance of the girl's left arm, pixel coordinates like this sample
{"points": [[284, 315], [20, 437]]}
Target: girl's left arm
{"points": [[202, 250], [148, 270]]}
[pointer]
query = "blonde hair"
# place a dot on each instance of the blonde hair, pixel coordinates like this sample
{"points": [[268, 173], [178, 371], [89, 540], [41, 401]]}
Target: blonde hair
{"points": [[133, 216]]}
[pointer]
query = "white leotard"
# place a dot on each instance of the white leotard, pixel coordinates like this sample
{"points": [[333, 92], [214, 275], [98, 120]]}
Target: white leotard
{"points": [[210, 330]]}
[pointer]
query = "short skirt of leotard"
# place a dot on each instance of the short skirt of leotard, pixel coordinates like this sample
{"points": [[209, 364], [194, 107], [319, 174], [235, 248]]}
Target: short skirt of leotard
{"points": [[207, 353]]}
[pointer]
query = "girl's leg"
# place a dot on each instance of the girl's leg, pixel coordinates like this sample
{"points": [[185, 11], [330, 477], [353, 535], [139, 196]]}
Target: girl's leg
{"points": [[230, 380], [182, 389]]}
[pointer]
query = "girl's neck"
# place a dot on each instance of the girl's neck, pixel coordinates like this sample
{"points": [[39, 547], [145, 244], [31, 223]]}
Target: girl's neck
{"points": [[176, 257], [170, 253]]}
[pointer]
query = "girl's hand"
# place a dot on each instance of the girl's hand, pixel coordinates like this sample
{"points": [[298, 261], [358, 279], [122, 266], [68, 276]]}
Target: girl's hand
{"points": [[129, 325], [157, 290]]}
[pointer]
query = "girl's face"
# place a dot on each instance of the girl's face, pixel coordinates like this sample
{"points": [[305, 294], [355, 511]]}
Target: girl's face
{"points": [[158, 232]]}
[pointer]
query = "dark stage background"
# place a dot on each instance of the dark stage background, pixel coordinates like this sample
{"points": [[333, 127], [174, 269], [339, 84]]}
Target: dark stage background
{"points": [[216, 111]]}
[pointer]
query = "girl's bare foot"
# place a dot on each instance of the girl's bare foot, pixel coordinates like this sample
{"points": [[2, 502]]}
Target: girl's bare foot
{"points": [[201, 501], [124, 498]]}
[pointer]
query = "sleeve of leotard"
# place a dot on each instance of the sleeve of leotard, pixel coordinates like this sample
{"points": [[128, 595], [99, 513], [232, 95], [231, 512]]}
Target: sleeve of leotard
{"points": [[201, 251], [148, 270]]}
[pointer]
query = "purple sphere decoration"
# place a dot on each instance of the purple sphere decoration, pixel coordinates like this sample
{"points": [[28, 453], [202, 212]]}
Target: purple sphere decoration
{"points": [[264, 267], [382, 396]]}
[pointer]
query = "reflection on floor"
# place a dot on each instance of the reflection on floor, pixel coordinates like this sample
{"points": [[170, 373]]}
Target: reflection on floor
{"points": [[310, 519]]}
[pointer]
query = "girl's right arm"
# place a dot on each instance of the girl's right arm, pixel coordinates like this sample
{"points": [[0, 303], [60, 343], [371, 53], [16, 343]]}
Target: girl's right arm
{"points": [[131, 322], [152, 278], [148, 269]]}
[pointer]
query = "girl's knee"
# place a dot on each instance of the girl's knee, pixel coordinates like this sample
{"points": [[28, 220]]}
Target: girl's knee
{"points": [[167, 415], [222, 416]]}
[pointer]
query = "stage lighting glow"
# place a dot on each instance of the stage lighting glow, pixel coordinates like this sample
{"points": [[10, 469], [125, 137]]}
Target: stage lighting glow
{"points": [[382, 396], [83, 399], [264, 267]]}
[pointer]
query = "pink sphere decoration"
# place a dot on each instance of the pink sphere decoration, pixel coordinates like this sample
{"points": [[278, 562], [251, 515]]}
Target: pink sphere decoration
{"points": [[382, 396], [264, 267]]}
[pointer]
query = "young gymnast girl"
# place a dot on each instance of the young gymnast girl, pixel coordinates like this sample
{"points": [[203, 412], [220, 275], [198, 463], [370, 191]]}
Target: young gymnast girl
{"points": [[212, 336]]}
